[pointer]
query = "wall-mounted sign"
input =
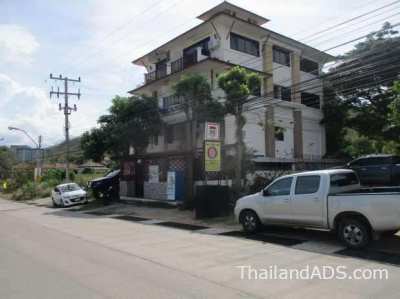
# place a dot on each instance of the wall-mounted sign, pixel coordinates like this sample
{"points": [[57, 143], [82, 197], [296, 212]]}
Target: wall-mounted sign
{"points": [[212, 156], [171, 185], [212, 131], [154, 174]]}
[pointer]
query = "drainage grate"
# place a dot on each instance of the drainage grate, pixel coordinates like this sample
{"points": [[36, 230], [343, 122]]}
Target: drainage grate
{"points": [[265, 238], [377, 256], [182, 225], [130, 218]]}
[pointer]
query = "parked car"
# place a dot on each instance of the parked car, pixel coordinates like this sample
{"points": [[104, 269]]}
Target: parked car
{"points": [[106, 186], [326, 199], [67, 195], [377, 170]]}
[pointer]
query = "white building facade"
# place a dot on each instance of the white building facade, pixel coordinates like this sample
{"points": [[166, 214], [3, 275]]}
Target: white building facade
{"points": [[283, 122]]}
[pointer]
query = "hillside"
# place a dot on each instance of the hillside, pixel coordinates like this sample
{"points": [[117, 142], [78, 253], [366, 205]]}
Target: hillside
{"points": [[57, 152]]}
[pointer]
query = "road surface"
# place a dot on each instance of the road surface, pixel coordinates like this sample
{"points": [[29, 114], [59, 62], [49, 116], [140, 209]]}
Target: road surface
{"points": [[47, 253]]}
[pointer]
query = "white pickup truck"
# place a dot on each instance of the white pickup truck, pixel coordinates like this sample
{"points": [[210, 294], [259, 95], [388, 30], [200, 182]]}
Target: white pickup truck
{"points": [[327, 199]]}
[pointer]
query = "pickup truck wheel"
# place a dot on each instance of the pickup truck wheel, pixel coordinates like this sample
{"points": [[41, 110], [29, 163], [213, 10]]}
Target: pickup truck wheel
{"points": [[250, 221], [354, 233]]}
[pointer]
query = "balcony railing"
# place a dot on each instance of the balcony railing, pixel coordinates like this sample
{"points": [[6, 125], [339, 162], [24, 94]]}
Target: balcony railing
{"points": [[176, 66], [172, 103], [155, 75]]}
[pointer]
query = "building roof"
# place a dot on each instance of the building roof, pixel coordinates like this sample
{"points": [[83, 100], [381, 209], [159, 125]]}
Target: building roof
{"points": [[217, 11], [229, 8]]}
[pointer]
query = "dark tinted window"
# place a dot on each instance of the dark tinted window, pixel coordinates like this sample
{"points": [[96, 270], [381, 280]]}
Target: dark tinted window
{"points": [[310, 100], [378, 161], [396, 160], [307, 184], [281, 187], [343, 179], [358, 162], [308, 66], [244, 44], [283, 93], [279, 135], [281, 56]]}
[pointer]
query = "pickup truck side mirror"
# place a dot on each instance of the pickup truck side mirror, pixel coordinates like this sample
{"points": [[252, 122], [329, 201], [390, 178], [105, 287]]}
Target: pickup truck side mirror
{"points": [[265, 192]]}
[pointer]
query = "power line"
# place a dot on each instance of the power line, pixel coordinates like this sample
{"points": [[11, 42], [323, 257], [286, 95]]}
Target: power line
{"points": [[352, 19]]}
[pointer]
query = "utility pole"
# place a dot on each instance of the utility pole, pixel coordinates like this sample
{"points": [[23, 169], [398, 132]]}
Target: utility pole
{"points": [[67, 111]]}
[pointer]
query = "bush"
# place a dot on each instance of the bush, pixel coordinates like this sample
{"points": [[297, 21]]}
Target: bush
{"points": [[54, 175], [32, 190]]}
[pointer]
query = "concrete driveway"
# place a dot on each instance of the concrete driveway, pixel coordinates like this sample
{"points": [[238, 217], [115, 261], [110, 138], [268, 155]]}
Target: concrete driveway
{"points": [[48, 253]]}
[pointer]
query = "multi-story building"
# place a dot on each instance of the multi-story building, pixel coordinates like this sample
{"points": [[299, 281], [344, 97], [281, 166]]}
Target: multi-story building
{"points": [[23, 153], [284, 124]]}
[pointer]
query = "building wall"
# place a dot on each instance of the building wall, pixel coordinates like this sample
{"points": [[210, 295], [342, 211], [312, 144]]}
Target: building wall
{"points": [[313, 133]]}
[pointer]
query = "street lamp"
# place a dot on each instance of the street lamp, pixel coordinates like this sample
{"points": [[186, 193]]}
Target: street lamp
{"points": [[37, 144]]}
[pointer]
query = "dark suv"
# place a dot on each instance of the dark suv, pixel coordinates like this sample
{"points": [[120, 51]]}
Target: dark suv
{"points": [[377, 170], [106, 187]]}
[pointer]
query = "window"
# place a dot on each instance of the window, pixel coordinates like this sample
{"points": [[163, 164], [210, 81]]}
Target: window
{"points": [[281, 56], [175, 132], [244, 44], [154, 140], [358, 163], [281, 187], [310, 100], [378, 161], [283, 93], [203, 44], [279, 134], [344, 179], [309, 66], [307, 184], [170, 134]]}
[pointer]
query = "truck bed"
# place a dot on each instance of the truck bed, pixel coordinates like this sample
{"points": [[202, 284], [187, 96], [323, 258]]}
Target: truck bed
{"points": [[371, 190]]}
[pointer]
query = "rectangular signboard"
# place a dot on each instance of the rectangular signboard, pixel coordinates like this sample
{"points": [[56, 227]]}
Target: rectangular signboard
{"points": [[212, 156]]}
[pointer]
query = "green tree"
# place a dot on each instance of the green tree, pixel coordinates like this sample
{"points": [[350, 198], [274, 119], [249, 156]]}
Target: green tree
{"points": [[394, 108], [238, 84], [7, 160], [360, 96], [198, 106], [131, 122]]}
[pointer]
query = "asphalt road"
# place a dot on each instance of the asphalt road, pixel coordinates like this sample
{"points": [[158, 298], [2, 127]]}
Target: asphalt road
{"points": [[45, 253]]}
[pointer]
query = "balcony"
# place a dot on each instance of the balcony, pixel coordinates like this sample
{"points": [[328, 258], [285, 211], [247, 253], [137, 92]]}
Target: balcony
{"points": [[176, 66], [172, 103], [155, 75]]}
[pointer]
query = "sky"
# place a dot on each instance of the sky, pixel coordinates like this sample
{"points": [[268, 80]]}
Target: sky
{"points": [[97, 40]]}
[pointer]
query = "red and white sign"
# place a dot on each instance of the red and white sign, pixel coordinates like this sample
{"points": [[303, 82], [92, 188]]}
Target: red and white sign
{"points": [[212, 131]]}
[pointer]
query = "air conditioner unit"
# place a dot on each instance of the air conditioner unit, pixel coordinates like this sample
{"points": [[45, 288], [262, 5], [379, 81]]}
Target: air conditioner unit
{"points": [[214, 44]]}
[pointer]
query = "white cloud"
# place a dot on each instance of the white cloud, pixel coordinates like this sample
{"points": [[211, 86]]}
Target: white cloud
{"points": [[17, 44], [28, 108]]}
